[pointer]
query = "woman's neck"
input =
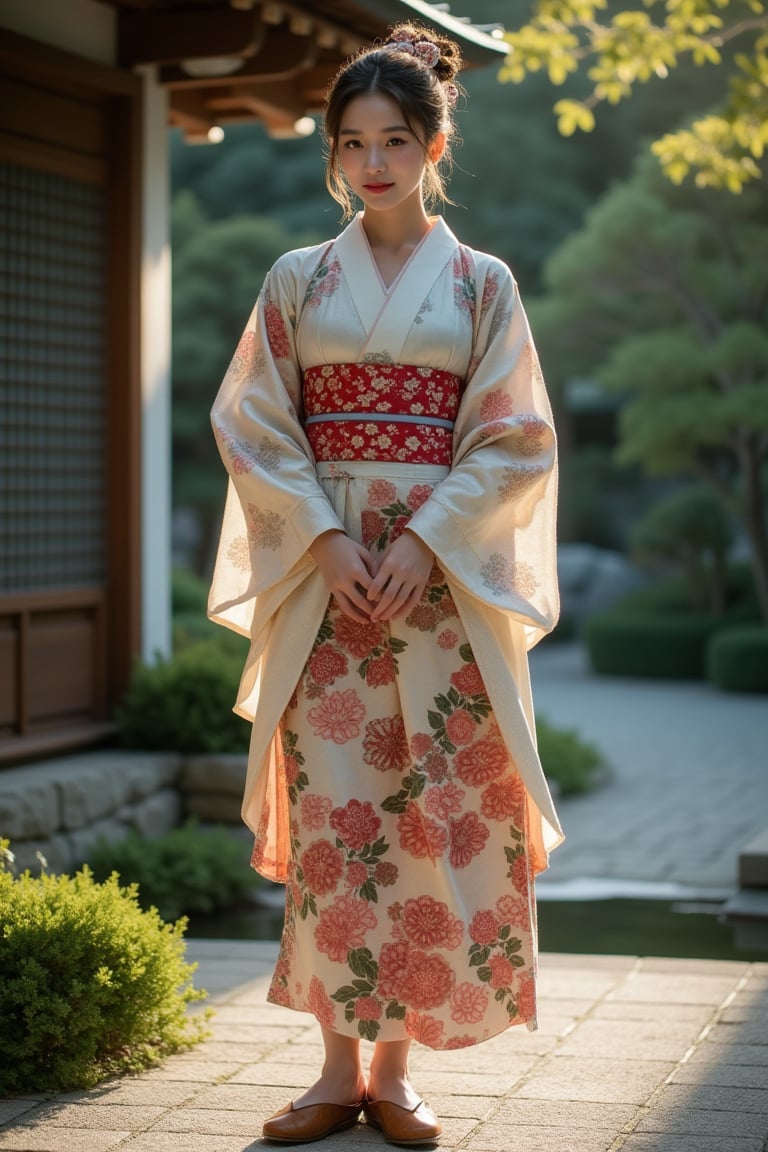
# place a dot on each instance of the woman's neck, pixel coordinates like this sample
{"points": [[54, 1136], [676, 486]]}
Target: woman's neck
{"points": [[395, 231]]}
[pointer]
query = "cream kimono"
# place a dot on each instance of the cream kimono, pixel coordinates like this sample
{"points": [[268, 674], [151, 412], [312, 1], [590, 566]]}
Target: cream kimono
{"points": [[393, 780]]}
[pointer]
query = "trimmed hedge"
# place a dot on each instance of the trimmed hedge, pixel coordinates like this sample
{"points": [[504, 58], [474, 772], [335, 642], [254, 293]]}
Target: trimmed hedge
{"points": [[185, 704], [647, 644], [737, 658], [573, 764], [188, 870]]}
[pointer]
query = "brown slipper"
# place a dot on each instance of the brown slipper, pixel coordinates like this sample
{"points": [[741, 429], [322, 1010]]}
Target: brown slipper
{"points": [[312, 1122], [400, 1125]]}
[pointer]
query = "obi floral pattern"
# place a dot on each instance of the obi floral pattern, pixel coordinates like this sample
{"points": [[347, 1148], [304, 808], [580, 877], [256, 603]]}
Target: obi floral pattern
{"points": [[334, 393]]}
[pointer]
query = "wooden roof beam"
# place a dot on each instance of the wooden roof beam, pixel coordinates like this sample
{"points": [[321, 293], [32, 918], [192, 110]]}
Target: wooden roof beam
{"points": [[165, 37], [280, 56]]}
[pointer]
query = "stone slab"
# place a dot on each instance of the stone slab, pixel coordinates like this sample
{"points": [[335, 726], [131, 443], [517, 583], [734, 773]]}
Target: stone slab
{"points": [[630, 1040], [490, 1139], [689, 1115], [156, 814], [598, 1081], [753, 862], [656, 1142], [94, 1116], [30, 805], [221, 775], [60, 1140]]}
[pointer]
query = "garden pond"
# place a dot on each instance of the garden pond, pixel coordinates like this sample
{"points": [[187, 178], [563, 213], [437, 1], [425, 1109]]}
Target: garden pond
{"points": [[613, 926]]}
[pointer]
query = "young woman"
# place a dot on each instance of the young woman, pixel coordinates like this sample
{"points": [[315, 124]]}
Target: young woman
{"points": [[389, 547]]}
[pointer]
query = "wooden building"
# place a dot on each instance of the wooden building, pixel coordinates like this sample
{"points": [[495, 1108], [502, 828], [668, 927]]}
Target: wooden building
{"points": [[89, 88]]}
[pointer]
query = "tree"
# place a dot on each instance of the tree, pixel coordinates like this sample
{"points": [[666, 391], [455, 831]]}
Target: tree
{"points": [[620, 49], [218, 270], [663, 298], [689, 528]]}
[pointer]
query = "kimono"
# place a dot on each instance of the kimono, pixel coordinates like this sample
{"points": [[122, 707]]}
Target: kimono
{"points": [[393, 781]]}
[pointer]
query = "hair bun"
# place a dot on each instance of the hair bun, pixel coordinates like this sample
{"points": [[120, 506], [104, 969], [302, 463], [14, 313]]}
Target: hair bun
{"points": [[448, 65]]}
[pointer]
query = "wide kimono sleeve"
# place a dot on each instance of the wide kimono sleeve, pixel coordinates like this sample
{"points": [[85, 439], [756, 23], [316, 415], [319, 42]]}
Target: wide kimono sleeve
{"points": [[275, 506], [492, 522]]}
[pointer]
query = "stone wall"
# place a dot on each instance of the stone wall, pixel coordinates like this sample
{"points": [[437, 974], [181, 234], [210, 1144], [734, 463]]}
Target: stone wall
{"points": [[60, 808], [212, 787]]}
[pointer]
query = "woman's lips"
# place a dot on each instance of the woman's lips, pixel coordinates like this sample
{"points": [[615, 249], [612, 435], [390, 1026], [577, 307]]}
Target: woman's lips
{"points": [[376, 187]]}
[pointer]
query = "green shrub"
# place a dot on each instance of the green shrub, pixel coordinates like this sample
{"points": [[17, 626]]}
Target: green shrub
{"points": [[657, 645], [188, 592], [90, 985], [737, 658], [185, 704], [689, 528], [672, 594], [189, 870], [572, 763]]}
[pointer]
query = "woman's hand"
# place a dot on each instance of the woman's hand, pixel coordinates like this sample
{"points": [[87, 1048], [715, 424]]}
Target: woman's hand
{"points": [[347, 569], [401, 577]]}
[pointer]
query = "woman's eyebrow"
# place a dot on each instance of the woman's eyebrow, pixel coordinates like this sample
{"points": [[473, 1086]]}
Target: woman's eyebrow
{"points": [[358, 131]]}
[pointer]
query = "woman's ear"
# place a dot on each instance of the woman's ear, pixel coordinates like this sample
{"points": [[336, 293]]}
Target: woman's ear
{"points": [[437, 147]]}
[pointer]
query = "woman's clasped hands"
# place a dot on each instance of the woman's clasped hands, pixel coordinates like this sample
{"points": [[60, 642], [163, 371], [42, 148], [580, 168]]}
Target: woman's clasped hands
{"points": [[371, 587]]}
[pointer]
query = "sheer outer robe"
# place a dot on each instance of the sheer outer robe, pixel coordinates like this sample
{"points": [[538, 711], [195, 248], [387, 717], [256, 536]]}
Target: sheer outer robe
{"points": [[490, 522]]}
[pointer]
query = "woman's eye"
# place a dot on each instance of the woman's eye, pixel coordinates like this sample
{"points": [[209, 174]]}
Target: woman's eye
{"points": [[395, 140], [348, 144]]}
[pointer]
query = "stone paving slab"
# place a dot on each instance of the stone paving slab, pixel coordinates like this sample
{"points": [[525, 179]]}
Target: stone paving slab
{"points": [[689, 788], [643, 1060]]}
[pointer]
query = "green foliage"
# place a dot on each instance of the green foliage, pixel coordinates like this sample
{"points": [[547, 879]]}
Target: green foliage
{"points": [[188, 592], [689, 528], [737, 658], [573, 763], [663, 299], [597, 496], [620, 49], [218, 271], [672, 595], [90, 985], [188, 870], [661, 646], [184, 704], [189, 604]]}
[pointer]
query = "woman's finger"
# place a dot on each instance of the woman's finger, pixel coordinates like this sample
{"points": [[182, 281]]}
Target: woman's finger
{"points": [[349, 608]]}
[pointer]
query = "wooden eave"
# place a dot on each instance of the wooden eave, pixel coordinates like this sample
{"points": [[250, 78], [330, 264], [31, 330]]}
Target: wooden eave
{"points": [[232, 60]]}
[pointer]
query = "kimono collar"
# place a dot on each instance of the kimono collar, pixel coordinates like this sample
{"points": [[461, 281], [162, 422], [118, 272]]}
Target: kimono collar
{"points": [[387, 314]]}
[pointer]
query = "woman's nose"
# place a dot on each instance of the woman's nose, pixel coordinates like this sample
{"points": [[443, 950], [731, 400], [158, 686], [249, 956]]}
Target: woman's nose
{"points": [[375, 160]]}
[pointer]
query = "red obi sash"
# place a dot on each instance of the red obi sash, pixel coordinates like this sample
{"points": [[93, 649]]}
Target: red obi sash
{"points": [[392, 412]]}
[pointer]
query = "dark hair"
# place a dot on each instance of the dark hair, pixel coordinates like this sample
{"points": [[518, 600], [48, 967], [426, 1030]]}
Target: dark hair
{"points": [[424, 94]]}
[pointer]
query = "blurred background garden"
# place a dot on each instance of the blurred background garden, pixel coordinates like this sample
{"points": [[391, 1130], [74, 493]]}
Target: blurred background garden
{"points": [[648, 302], [645, 275]]}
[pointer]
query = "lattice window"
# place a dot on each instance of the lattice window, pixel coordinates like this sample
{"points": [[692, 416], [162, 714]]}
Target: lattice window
{"points": [[52, 381]]}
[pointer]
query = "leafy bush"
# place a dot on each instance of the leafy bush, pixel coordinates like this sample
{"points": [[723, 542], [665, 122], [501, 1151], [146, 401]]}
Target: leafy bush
{"points": [[672, 594], [90, 985], [188, 592], [572, 763], [658, 645], [189, 870], [185, 704], [689, 528], [189, 603], [737, 658]]}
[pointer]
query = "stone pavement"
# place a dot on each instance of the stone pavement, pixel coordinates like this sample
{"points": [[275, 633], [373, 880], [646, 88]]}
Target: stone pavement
{"points": [[690, 777], [631, 1055]]}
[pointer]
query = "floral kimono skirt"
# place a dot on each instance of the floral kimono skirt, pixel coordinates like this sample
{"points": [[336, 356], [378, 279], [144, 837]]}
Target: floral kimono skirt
{"points": [[409, 905]]}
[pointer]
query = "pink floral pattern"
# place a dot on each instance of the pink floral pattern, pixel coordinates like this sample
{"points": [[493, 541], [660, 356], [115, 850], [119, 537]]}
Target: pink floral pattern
{"points": [[396, 804], [325, 282]]}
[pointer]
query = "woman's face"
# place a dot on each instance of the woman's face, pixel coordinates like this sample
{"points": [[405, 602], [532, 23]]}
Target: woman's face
{"points": [[382, 159]]}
